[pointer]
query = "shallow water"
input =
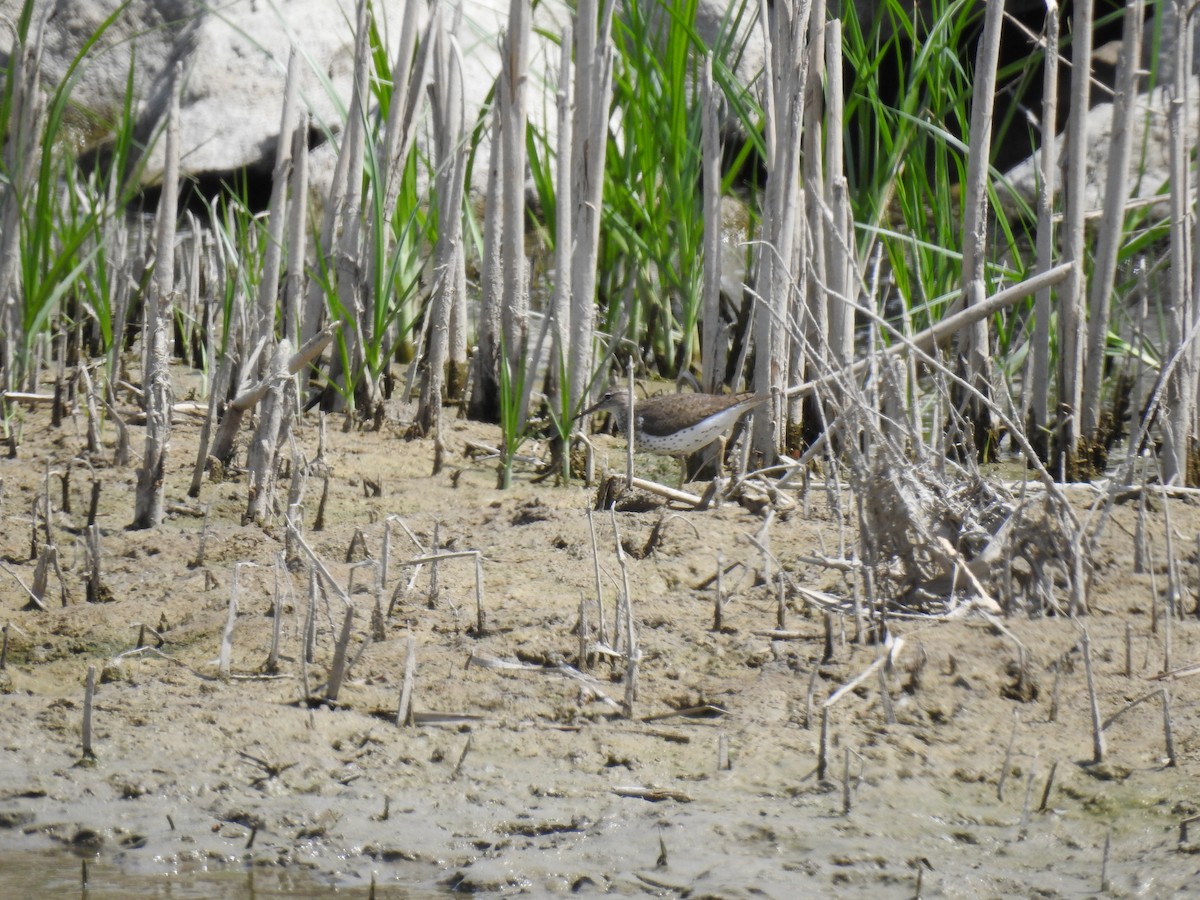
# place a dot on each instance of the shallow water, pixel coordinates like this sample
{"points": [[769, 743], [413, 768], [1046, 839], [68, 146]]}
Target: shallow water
{"points": [[28, 874]]}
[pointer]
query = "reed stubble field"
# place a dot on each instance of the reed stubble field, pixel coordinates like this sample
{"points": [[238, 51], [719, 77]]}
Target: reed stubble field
{"points": [[959, 763], [885, 665]]}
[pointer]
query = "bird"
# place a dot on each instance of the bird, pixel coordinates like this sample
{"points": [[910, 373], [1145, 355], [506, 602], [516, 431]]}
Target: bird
{"points": [[677, 424]]}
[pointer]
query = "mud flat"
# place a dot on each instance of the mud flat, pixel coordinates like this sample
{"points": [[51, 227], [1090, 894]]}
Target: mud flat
{"points": [[960, 764]]}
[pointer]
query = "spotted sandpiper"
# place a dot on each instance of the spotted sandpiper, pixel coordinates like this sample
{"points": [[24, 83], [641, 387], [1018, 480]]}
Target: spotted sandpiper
{"points": [[677, 424]]}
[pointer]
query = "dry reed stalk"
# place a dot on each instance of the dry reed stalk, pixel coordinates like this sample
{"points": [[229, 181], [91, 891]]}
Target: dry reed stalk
{"points": [[319, 566], [231, 422], [405, 588], [348, 228], [263, 327], [95, 587], [632, 651], [449, 260], [1071, 313], [1004, 767], [273, 429], [201, 541], [1175, 590], [778, 279], [297, 234], [295, 513], [121, 451], [630, 432], [319, 520], [846, 792], [887, 659], [560, 303], [1183, 828], [1128, 650], [411, 76], [385, 553], [1153, 600], [89, 693], [809, 694], [434, 589], [812, 351], [885, 698], [485, 389], [823, 751], [93, 501], [21, 156], [434, 557], [1182, 316], [601, 630], [216, 389], [378, 623], [310, 624], [156, 382], [977, 343], [514, 73], [1023, 825], [927, 341], [91, 405], [41, 577], [34, 544], [609, 492], [47, 507], [1168, 734], [719, 599], [462, 758], [1168, 619], [591, 687], [1104, 884], [338, 668], [1093, 701], [1141, 539], [272, 664], [33, 601], [1111, 229], [1049, 786], [1052, 715], [584, 635], [226, 653], [479, 629], [65, 490], [358, 544], [714, 349], [590, 128]]}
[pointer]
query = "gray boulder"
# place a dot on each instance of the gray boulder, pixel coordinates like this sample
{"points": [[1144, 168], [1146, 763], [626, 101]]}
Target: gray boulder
{"points": [[234, 59]]}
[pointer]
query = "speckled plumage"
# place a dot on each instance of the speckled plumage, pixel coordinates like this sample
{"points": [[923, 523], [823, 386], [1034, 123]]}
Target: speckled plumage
{"points": [[677, 424]]}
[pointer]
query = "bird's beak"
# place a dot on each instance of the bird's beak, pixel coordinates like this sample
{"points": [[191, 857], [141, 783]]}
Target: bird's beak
{"points": [[587, 412]]}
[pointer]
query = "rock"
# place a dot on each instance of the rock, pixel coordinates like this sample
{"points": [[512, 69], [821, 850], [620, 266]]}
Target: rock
{"points": [[234, 60], [1149, 122]]}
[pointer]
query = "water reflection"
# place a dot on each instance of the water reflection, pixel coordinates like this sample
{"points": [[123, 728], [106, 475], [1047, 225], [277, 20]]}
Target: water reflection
{"points": [[29, 874]]}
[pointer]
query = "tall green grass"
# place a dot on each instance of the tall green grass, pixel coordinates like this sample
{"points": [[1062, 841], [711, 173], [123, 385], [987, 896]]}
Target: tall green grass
{"points": [[907, 111], [651, 231], [60, 220]]}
